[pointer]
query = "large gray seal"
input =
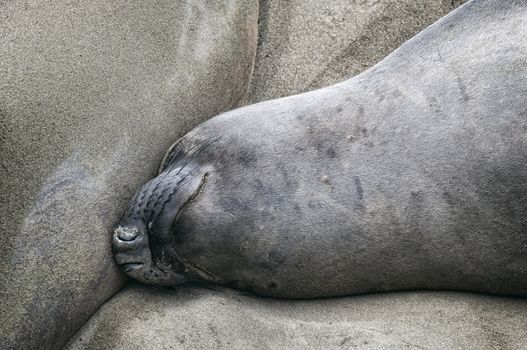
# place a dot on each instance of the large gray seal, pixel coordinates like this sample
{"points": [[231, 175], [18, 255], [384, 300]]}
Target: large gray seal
{"points": [[412, 175]]}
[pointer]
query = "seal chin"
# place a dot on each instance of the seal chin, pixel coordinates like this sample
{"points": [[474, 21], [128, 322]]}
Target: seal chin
{"points": [[149, 274]]}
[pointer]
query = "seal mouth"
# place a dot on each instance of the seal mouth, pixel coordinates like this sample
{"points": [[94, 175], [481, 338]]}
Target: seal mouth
{"points": [[128, 267]]}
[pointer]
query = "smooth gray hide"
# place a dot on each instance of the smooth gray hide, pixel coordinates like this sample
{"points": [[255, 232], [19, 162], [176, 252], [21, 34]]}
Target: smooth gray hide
{"points": [[412, 175]]}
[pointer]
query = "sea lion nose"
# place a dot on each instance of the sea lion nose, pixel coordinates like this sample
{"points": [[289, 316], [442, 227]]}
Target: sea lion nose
{"points": [[127, 233]]}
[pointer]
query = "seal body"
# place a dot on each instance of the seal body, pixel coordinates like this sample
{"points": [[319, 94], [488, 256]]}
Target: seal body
{"points": [[412, 175]]}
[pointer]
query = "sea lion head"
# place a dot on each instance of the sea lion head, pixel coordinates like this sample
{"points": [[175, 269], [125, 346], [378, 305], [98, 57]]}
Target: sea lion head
{"points": [[143, 241], [216, 184]]}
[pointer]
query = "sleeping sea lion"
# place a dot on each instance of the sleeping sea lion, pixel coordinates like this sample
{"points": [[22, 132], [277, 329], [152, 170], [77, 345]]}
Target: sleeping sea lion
{"points": [[411, 175]]}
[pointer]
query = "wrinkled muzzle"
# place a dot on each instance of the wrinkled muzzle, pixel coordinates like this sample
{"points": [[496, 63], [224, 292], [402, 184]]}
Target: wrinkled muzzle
{"points": [[143, 241]]}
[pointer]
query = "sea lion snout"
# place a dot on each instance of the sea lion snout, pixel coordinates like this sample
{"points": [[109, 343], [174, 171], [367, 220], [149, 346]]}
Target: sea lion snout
{"points": [[143, 241], [130, 245]]}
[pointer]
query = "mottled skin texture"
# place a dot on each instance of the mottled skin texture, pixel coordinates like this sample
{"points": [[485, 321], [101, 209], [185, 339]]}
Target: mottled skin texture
{"points": [[412, 175]]}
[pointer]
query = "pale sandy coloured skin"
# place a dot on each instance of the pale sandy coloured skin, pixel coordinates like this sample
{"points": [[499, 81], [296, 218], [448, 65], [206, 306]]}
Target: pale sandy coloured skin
{"points": [[412, 175]]}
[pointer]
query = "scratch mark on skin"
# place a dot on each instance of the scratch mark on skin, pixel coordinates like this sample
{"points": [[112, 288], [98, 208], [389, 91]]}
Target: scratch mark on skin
{"points": [[413, 345], [439, 56], [358, 186], [462, 89]]}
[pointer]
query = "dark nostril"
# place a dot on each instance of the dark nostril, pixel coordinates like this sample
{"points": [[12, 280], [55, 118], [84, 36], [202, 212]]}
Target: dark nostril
{"points": [[127, 233]]}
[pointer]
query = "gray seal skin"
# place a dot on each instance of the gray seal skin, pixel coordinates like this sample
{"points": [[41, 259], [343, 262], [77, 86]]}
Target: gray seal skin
{"points": [[412, 175]]}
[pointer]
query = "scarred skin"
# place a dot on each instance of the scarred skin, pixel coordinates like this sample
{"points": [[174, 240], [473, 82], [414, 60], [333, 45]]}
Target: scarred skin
{"points": [[412, 175]]}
